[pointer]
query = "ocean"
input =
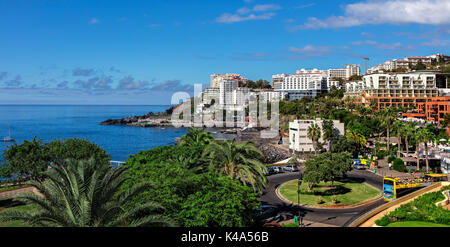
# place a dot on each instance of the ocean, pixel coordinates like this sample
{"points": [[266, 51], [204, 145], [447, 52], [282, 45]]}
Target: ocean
{"points": [[51, 122]]}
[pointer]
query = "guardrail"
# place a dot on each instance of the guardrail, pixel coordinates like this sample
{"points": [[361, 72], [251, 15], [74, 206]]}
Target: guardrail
{"points": [[365, 217], [116, 163]]}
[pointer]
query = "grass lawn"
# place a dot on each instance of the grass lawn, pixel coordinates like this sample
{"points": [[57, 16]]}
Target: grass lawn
{"points": [[8, 205], [347, 191], [415, 224]]}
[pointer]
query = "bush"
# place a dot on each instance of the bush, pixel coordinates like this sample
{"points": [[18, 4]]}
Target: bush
{"points": [[384, 221], [320, 200], [290, 225], [391, 159], [381, 154], [399, 165]]}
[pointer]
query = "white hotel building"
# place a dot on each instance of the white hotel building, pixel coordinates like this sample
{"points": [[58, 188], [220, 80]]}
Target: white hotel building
{"points": [[298, 134], [304, 83], [351, 69]]}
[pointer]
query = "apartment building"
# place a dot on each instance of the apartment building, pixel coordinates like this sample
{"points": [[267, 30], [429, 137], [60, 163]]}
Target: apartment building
{"points": [[298, 134], [268, 94], [304, 83], [216, 79], [425, 91], [405, 63]]}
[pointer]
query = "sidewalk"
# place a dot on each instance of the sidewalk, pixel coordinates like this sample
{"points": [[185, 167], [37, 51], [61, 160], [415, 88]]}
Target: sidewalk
{"points": [[383, 170], [309, 223], [13, 193]]}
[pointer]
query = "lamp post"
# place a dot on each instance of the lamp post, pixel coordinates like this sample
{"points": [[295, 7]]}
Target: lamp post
{"points": [[298, 198]]}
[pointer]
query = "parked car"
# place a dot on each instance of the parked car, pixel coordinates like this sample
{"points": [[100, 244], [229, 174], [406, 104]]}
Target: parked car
{"points": [[271, 170], [291, 168], [277, 169]]}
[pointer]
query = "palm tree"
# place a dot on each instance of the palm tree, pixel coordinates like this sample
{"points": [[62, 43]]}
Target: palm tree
{"points": [[425, 135], [239, 161], [408, 132], [387, 117], [398, 128], [83, 193], [314, 135], [196, 136], [359, 138]]}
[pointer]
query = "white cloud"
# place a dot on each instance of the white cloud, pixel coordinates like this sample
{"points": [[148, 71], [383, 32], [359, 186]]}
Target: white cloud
{"points": [[247, 14], [437, 43], [315, 51], [305, 6], [432, 12], [383, 46], [231, 18], [266, 7]]}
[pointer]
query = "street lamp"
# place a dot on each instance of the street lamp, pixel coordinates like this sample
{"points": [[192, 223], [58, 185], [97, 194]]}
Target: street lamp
{"points": [[298, 198]]}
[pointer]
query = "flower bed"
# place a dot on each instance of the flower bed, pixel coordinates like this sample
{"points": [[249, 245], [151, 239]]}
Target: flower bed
{"points": [[422, 208]]}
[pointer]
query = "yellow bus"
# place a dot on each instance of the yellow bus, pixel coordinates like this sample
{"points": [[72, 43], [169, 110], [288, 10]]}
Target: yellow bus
{"points": [[390, 185]]}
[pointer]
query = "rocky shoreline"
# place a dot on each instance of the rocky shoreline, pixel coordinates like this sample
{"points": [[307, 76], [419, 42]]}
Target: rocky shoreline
{"points": [[267, 146], [148, 120]]}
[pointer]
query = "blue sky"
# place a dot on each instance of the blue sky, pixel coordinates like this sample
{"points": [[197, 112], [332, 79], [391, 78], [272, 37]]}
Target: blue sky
{"points": [[141, 52]]}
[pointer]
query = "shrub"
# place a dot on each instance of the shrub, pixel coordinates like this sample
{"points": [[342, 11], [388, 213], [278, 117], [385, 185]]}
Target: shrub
{"points": [[381, 154], [399, 165], [384, 221], [391, 159], [335, 200], [319, 200], [290, 225]]}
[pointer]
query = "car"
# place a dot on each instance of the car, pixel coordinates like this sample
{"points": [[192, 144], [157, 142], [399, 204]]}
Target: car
{"points": [[277, 169], [271, 170], [291, 168]]}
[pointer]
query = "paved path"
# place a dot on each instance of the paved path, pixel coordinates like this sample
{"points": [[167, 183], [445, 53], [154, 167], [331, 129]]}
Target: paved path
{"points": [[13, 193], [319, 217]]}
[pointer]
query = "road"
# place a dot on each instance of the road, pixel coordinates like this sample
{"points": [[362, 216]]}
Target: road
{"points": [[335, 217]]}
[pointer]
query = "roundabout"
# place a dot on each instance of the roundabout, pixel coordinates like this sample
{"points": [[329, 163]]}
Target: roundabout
{"points": [[344, 193], [319, 216]]}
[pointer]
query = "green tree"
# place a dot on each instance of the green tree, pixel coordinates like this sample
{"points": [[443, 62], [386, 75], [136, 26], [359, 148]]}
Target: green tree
{"points": [[182, 192], [328, 130], [314, 135], [327, 167], [342, 144], [28, 160], [241, 161], [219, 202], [83, 193], [196, 136], [424, 136], [358, 138], [398, 128], [446, 122], [409, 132], [355, 78], [387, 117]]}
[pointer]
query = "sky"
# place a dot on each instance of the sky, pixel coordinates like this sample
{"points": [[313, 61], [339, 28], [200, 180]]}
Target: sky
{"points": [[141, 52]]}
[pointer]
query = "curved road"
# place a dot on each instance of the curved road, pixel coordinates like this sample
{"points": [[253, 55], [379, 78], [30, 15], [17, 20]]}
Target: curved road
{"points": [[335, 217]]}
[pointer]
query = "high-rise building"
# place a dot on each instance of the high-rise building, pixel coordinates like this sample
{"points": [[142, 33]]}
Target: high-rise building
{"points": [[304, 83]]}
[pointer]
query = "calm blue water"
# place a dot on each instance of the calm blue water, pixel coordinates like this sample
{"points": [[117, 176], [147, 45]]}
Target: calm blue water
{"points": [[61, 122]]}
